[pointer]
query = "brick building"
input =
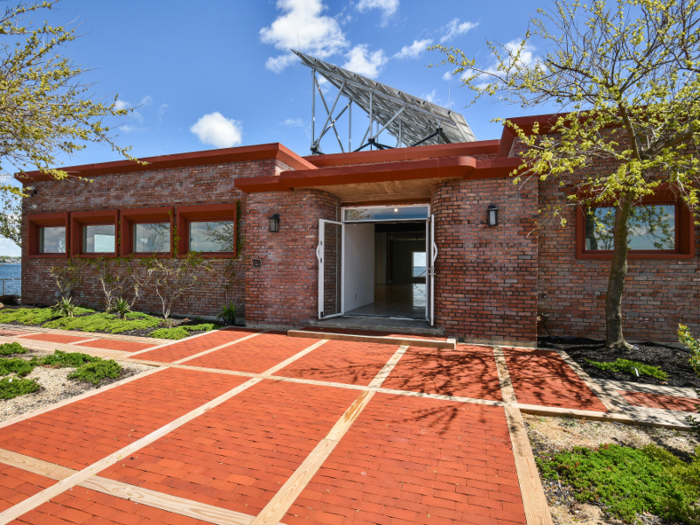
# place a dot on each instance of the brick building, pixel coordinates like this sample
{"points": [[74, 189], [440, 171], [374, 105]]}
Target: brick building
{"points": [[356, 235]]}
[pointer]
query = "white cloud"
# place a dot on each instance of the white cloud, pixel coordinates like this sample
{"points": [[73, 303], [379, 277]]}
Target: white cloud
{"points": [[217, 130], [527, 52], [414, 50], [430, 97], [447, 75], [8, 248], [365, 63], [454, 28], [388, 7], [527, 59], [146, 101], [302, 27], [294, 123], [121, 104]]}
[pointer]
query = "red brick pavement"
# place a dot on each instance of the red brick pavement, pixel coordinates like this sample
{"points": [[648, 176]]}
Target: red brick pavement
{"points": [[113, 344], [239, 454], [88, 507], [342, 362], [189, 347], [416, 460], [254, 355], [17, 485], [57, 338], [676, 403], [81, 433], [541, 377], [469, 371]]}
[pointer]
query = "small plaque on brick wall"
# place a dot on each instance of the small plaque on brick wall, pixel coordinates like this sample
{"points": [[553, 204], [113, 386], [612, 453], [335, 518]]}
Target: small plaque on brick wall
{"points": [[257, 263]]}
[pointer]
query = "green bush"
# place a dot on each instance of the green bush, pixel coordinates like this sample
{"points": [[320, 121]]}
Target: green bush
{"points": [[181, 332], [17, 366], [687, 339], [104, 322], [65, 307], [13, 387], [96, 371], [68, 359], [202, 327], [624, 365], [629, 481], [227, 314], [34, 316], [12, 348]]}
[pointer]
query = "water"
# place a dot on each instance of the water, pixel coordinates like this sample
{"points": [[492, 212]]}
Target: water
{"points": [[11, 271]]}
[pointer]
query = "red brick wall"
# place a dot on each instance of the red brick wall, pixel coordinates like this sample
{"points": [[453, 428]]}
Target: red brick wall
{"points": [[659, 294], [486, 277], [284, 290], [192, 185]]}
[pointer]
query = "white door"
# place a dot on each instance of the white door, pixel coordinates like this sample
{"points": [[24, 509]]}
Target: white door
{"points": [[431, 252], [329, 252]]}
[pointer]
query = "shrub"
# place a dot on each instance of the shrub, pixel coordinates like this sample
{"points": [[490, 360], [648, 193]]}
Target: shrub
{"points": [[34, 316], [96, 371], [17, 366], [12, 348], [227, 314], [68, 359], [687, 339], [181, 332], [104, 322], [629, 481], [13, 387], [65, 307], [626, 366], [121, 307]]}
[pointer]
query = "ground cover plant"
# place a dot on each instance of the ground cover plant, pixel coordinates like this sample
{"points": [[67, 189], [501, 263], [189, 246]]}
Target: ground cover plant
{"points": [[105, 322], [11, 387], [631, 367], [628, 482], [67, 359], [96, 371], [12, 348], [34, 316], [20, 367], [180, 332]]}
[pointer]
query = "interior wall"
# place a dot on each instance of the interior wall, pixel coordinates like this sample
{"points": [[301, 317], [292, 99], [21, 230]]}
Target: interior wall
{"points": [[359, 265], [380, 259]]}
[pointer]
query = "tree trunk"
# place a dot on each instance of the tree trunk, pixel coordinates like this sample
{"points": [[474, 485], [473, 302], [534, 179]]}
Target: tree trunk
{"points": [[618, 272]]}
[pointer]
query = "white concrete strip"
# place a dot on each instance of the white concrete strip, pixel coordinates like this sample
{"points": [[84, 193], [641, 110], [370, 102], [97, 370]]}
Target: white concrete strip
{"points": [[507, 390], [176, 341], [388, 367], [629, 386], [205, 352], [47, 494], [86, 341], [295, 357]]}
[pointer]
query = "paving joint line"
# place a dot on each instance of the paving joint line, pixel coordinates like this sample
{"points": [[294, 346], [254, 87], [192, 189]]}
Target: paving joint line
{"points": [[205, 352], [178, 341], [610, 398]]}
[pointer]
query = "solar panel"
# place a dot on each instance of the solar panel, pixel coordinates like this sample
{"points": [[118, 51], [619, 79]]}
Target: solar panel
{"points": [[414, 120]]}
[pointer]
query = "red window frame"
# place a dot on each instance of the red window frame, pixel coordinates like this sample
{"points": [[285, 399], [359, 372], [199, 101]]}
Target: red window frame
{"points": [[132, 216], [685, 232], [79, 219], [202, 213], [41, 220]]}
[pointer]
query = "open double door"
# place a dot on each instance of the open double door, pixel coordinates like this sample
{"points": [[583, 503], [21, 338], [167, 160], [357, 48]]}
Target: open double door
{"points": [[330, 253]]}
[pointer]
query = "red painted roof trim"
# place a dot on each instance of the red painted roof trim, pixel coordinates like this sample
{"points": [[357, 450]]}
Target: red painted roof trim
{"points": [[463, 149], [198, 158]]}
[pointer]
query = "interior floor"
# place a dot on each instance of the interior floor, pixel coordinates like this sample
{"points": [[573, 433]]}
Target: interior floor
{"points": [[406, 301]]}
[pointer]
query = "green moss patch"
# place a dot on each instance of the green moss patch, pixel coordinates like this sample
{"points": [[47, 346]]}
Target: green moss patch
{"points": [[104, 322], [97, 371], [13, 387], [12, 348], [623, 365], [629, 482]]}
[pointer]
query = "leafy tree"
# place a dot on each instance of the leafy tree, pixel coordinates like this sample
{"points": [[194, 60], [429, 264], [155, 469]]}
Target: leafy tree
{"points": [[11, 217], [44, 108], [626, 79]]}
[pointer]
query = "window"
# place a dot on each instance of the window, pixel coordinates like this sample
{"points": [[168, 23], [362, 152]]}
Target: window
{"points": [[47, 235], [208, 228], [99, 238], [660, 227], [211, 236], [386, 213], [651, 227], [153, 237], [419, 267], [52, 239]]}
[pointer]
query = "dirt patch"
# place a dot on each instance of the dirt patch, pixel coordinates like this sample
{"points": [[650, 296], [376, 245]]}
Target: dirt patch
{"points": [[549, 435], [673, 361], [55, 387]]}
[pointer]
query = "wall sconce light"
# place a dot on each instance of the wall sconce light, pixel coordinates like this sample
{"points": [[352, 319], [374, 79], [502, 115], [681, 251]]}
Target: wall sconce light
{"points": [[275, 223], [492, 215], [31, 190]]}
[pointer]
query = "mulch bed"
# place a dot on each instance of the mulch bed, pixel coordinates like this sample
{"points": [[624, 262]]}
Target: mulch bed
{"points": [[673, 361]]}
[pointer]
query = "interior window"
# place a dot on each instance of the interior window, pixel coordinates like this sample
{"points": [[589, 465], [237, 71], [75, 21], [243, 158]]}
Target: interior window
{"points": [[651, 227], [52, 239], [99, 238], [211, 236], [152, 237]]}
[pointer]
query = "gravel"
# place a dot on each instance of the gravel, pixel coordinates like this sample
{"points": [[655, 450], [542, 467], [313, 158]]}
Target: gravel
{"points": [[55, 387], [549, 435]]}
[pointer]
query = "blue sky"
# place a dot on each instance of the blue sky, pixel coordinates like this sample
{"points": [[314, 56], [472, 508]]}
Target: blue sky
{"points": [[217, 73]]}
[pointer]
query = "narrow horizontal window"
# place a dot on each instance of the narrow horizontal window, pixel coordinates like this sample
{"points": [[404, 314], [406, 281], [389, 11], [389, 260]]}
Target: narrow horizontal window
{"points": [[99, 238], [651, 227], [152, 237], [386, 213], [211, 236], [52, 239]]}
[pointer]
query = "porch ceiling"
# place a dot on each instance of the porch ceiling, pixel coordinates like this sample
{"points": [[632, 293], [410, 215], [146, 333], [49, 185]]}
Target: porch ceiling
{"points": [[385, 191]]}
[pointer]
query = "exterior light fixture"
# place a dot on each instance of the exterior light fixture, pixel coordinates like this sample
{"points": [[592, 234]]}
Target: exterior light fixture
{"points": [[492, 215], [275, 223], [396, 210], [31, 190]]}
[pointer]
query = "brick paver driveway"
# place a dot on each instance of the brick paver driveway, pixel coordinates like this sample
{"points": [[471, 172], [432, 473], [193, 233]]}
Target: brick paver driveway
{"points": [[259, 428]]}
